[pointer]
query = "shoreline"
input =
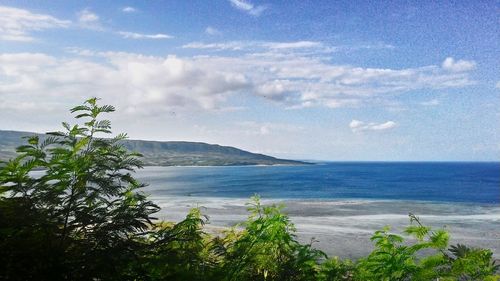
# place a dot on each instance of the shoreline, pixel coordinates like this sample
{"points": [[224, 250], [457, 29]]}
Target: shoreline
{"points": [[240, 166], [343, 227], [340, 200]]}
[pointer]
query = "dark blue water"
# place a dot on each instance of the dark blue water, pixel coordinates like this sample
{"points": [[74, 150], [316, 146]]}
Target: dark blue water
{"points": [[444, 182]]}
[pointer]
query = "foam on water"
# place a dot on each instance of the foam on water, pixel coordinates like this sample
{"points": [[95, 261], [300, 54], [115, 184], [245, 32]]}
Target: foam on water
{"points": [[340, 221], [341, 205]]}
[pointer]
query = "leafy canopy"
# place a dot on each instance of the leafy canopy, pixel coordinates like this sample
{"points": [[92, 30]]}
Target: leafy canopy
{"points": [[70, 209], [77, 196]]}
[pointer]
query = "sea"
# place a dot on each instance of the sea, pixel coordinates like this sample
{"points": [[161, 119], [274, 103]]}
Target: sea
{"points": [[340, 204]]}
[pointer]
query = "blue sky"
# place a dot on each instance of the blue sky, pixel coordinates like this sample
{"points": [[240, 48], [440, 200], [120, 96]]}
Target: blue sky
{"points": [[326, 80]]}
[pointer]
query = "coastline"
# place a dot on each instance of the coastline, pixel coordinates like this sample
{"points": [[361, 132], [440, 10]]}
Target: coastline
{"points": [[343, 227], [249, 165]]}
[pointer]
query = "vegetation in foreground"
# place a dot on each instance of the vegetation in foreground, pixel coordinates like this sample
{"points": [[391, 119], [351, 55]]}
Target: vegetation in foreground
{"points": [[83, 217]]}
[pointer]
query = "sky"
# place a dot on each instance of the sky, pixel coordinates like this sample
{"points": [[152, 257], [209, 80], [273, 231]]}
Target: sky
{"points": [[322, 80]]}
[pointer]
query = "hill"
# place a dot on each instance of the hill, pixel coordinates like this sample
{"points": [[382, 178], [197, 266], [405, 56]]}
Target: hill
{"points": [[169, 153]]}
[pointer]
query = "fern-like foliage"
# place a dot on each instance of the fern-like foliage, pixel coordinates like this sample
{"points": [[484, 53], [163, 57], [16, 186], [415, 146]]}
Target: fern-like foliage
{"points": [[71, 209], [88, 203]]}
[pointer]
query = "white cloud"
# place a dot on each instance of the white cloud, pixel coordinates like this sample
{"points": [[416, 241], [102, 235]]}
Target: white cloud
{"points": [[129, 9], [254, 46], [140, 84], [290, 80], [248, 7], [432, 102], [458, 66], [360, 126], [355, 124], [212, 31], [17, 24], [497, 85], [87, 16], [133, 35], [89, 20], [384, 126], [303, 81], [242, 5], [234, 46], [379, 45], [275, 88], [265, 128], [293, 45], [80, 51], [303, 47]]}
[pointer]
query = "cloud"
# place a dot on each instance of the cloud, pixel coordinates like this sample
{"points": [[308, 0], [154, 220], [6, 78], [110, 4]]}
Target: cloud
{"points": [[129, 9], [17, 24], [89, 20], [379, 45], [298, 81], [497, 85], [248, 7], [291, 80], [80, 51], [140, 84], [234, 46], [212, 31], [432, 102], [303, 47], [274, 88], [255, 46], [133, 35], [265, 128], [458, 66], [360, 126], [87, 16], [293, 45]]}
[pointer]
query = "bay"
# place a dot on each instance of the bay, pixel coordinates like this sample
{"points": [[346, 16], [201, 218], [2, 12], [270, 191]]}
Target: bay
{"points": [[339, 205], [443, 182]]}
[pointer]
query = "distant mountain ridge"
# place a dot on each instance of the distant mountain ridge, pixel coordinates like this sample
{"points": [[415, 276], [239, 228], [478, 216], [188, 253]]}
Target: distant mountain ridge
{"points": [[168, 153]]}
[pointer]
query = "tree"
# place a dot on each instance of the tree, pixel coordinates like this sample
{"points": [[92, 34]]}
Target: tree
{"points": [[394, 259], [267, 249], [70, 209], [73, 195]]}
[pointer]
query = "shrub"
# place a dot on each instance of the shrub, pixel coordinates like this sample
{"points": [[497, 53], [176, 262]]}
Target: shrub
{"points": [[84, 213], [70, 209]]}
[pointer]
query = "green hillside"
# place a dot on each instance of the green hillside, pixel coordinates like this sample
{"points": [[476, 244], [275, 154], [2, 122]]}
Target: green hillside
{"points": [[169, 153]]}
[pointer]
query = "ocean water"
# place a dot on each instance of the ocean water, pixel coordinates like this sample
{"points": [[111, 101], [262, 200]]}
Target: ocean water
{"points": [[340, 205], [439, 182]]}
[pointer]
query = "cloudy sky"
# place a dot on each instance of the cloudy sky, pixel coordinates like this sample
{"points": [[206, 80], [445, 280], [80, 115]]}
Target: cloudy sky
{"points": [[326, 80]]}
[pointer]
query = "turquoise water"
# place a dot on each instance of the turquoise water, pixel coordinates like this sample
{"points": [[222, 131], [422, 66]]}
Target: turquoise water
{"points": [[440, 182]]}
